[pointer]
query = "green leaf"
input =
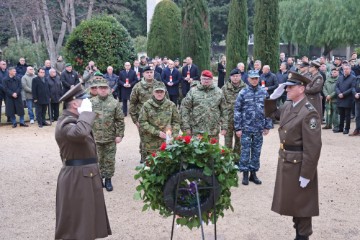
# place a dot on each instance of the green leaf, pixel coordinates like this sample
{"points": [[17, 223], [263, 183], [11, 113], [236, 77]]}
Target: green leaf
{"points": [[137, 196], [207, 171], [145, 207]]}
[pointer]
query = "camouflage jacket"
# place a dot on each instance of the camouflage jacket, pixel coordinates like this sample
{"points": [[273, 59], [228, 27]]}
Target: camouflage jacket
{"points": [[155, 117], [204, 110], [249, 110], [142, 92], [109, 121], [230, 93]]}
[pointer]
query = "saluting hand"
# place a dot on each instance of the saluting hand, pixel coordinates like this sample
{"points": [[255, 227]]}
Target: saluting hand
{"points": [[118, 140]]}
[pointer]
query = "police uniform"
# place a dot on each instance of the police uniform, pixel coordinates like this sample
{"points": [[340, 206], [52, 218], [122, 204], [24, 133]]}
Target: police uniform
{"points": [[299, 152], [79, 195]]}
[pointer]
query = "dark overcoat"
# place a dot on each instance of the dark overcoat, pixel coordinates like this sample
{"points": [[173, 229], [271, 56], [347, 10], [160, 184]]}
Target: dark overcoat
{"points": [[55, 86], [40, 91], [313, 91], [131, 75], [194, 74], [80, 205], [344, 86], [299, 128], [176, 78], [13, 105]]}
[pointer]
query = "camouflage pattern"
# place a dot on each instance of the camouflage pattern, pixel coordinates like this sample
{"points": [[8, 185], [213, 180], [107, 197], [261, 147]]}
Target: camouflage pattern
{"points": [[249, 110], [106, 153], [231, 92], [156, 116], [251, 144], [204, 110], [331, 110], [142, 92]]}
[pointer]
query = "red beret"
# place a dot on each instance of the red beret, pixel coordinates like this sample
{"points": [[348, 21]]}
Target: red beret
{"points": [[207, 73]]}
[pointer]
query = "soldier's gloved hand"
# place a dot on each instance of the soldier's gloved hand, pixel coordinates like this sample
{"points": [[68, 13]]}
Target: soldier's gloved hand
{"points": [[278, 91], [303, 182], [86, 106]]}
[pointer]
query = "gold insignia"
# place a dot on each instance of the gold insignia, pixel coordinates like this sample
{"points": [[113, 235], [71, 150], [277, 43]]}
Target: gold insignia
{"points": [[313, 123]]}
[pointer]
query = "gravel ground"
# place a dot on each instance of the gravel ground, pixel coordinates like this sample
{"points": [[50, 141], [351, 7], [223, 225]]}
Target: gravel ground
{"points": [[30, 163]]}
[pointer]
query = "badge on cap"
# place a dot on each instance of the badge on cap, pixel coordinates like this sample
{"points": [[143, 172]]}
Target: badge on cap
{"points": [[313, 123]]}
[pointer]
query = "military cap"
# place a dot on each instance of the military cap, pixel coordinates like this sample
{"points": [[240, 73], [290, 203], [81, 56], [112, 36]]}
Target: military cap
{"points": [[315, 64], [77, 92], [337, 58], [335, 69], [254, 74], [148, 68], [68, 65], [92, 83], [304, 64], [99, 80], [176, 60], [234, 71], [345, 61], [295, 78], [159, 88], [207, 73]]}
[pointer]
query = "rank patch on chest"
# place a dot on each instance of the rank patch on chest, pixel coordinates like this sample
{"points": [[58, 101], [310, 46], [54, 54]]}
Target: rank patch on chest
{"points": [[313, 123]]}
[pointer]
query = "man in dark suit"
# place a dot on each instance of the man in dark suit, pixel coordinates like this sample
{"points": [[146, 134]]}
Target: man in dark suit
{"points": [[138, 70], [157, 66], [127, 80], [189, 74], [41, 96], [171, 77], [157, 76]]}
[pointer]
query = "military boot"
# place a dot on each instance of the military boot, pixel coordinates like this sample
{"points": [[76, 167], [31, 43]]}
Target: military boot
{"points": [[299, 237], [253, 178], [108, 184], [245, 180]]}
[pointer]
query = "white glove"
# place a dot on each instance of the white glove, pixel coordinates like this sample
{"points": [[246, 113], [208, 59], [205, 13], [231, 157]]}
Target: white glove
{"points": [[86, 106], [278, 91], [303, 182]]}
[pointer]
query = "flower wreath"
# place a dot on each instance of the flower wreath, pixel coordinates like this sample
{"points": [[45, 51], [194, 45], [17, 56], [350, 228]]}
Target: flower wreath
{"points": [[198, 155]]}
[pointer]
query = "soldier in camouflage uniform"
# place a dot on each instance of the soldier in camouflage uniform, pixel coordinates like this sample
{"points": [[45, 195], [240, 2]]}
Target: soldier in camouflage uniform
{"points": [[142, 92], [157, 116], [231, 90], [92, 89], [108, 128], [251, 125], [204, 109]]}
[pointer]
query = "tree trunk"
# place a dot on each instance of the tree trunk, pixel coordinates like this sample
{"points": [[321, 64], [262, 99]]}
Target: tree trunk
{"points": [[72, 15], [327, 50], [15, 25], [89, 13], [64, 12], [48, 34]]}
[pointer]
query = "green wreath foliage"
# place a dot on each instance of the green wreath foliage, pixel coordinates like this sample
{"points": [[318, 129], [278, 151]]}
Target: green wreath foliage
{"points": [[195, 152]]}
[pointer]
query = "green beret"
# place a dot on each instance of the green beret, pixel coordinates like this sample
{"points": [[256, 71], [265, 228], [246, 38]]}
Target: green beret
{"points": [[68, 65]]}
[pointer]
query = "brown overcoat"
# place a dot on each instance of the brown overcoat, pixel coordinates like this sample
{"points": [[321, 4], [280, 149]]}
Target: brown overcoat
{"points": [[300, 127], [80, 205], [313, 91]]}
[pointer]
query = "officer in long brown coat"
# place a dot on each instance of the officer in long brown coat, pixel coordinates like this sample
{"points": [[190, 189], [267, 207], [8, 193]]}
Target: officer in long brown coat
{"points": [[314, 88], [80, 205], [296, 186]]}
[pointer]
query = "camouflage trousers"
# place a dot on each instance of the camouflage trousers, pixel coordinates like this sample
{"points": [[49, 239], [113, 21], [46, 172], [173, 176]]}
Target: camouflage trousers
{"points": [[141, 146], [106, 154], [251, 144], [332, 115], [229, 137]]}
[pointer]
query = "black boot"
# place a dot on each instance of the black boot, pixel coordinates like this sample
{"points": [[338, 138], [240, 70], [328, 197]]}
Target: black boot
{"points": [[108, 184], [245, 180], [253, 178], [299, 237]]}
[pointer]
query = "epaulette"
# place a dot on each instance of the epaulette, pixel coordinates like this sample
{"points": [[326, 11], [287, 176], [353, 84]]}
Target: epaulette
{"points": [[309, 106]]}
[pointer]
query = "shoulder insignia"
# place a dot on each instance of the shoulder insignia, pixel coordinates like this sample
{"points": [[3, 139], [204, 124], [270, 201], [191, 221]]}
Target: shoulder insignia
{"points": [[318, 81], [309, 106], [313, 123]]}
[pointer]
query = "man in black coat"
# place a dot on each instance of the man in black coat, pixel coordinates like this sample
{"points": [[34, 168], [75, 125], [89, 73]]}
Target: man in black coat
{"points": [[14, 103], [69, 78], [21, 68], [190, 73], [171, 77], [41, 96], [56, 91], [345, 98], [127, 80], [138, 70], [3, 74], [268, 80], [282, 76]]}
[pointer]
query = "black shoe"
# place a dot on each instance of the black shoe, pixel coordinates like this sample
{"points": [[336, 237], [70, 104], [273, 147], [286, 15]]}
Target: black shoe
{"points": [[108, 184], [45, 124], [245, 180], [40, 126], [14, 125], [253, 178], [141, 160], [299, 237], [326, 127], [337, 130], [23, 125], [346, 131]]}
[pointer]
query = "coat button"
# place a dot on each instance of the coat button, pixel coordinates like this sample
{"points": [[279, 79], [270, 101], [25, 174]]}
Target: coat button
{"points": [[283, 159], [294, 161], [91, 174], [283, 140], [285, 131]]}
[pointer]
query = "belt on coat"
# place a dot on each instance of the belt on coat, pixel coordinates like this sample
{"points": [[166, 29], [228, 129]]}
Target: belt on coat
{"points": [[290, 148], [80, 162]]}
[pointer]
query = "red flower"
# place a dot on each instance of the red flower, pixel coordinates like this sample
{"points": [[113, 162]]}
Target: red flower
{"points": [[153, 154], [187, 139], [163, 146], [179, 138], [222, 151], [213, 140]]}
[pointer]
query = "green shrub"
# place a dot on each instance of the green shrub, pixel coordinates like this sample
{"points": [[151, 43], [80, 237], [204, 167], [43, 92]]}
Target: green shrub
{"points": [[101, 39], [140, 44]]}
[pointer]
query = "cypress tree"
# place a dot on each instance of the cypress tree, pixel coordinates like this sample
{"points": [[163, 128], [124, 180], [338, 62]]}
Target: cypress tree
{"points": [[237, 35], [266, 33], [195, 34], [164, 34]]}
